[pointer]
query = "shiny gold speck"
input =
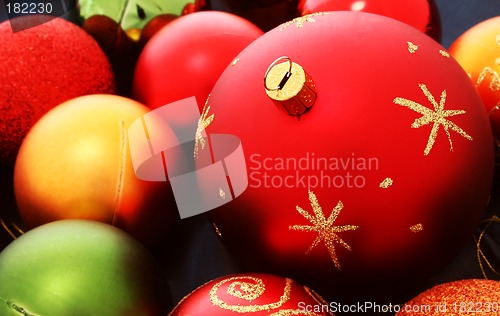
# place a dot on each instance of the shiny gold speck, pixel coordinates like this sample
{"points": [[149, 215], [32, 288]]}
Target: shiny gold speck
{"points": [[417, 228], [222, 193], [412, 48], [444, 53], [386, 183], [247, 288], [300, 21], [235, 61]]}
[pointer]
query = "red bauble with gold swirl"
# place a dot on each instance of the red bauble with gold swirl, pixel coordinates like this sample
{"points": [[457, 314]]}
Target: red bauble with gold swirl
{"points": [[252, 294]]}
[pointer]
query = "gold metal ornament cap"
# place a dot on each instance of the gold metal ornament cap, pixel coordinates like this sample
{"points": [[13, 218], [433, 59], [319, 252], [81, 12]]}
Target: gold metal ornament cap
{"points": [[290, 86]]}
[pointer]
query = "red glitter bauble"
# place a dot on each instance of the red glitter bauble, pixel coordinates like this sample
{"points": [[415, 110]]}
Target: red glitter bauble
{"points": [[40, 68], [465, 297], [370, 185], [253, 294]]}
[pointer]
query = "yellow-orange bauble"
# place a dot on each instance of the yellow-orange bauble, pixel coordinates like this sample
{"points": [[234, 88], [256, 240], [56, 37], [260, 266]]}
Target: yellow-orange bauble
{"points": [[478, 52], [75, 164]]}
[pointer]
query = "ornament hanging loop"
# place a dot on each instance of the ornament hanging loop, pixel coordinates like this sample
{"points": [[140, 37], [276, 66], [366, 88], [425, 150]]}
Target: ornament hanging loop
{"points": [[289, 86], [285, 78]]}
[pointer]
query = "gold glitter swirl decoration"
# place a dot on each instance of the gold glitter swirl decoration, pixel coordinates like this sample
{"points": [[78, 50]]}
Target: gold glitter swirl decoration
{"points": [[324, 227], [386, 183], [438, 117], [247, 288], [495, 78], [417, 228]]}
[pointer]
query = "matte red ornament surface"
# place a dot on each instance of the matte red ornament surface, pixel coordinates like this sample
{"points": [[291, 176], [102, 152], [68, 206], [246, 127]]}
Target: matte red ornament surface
{"points": [[421, 14], [75, 164], [40, 68], [186, 57], [374, 184], [464, 297], [252, 294], [478, 52]]}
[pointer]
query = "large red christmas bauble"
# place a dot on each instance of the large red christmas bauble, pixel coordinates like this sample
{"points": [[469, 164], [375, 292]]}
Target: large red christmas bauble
{"points": [[252, 294], [188, 55], [75, 164], [465, 297], [371, 182], [40, 68], [421, 14], [478, 52]]}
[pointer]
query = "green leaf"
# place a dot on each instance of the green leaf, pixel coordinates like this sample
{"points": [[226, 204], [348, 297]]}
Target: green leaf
{"points": [[131, 13]]}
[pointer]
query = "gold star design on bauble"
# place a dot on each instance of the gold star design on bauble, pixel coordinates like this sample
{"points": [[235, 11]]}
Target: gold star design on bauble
{"points": [[438, 117], [324, 228], [203, 123]]}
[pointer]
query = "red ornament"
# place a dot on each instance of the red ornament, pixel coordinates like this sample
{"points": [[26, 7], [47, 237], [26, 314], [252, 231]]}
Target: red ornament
{"points": [[478, 52], [253, 294], [421, 14], [367, 181], [75, 164], [40, 68], [188, 55], [465, 297]]}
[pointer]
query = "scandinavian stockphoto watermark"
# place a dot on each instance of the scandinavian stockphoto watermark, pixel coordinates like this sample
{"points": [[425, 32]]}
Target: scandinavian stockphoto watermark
{"points": [[310, 171]]}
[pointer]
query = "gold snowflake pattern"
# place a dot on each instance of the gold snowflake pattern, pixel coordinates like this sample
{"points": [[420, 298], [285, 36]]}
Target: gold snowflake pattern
{"points": [[438, 117], [203, 122], [300, 21], [324, 228]]}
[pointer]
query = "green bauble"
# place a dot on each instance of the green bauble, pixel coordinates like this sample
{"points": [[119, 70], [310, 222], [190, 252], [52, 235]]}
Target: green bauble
{"points": [[80, 267]]}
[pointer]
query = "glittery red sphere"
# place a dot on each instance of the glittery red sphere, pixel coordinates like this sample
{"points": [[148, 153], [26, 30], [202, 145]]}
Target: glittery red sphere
{"points": [[40, 68], [465, 297], [188, 55], [421, 14], [253, 294], [372, 185]]}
